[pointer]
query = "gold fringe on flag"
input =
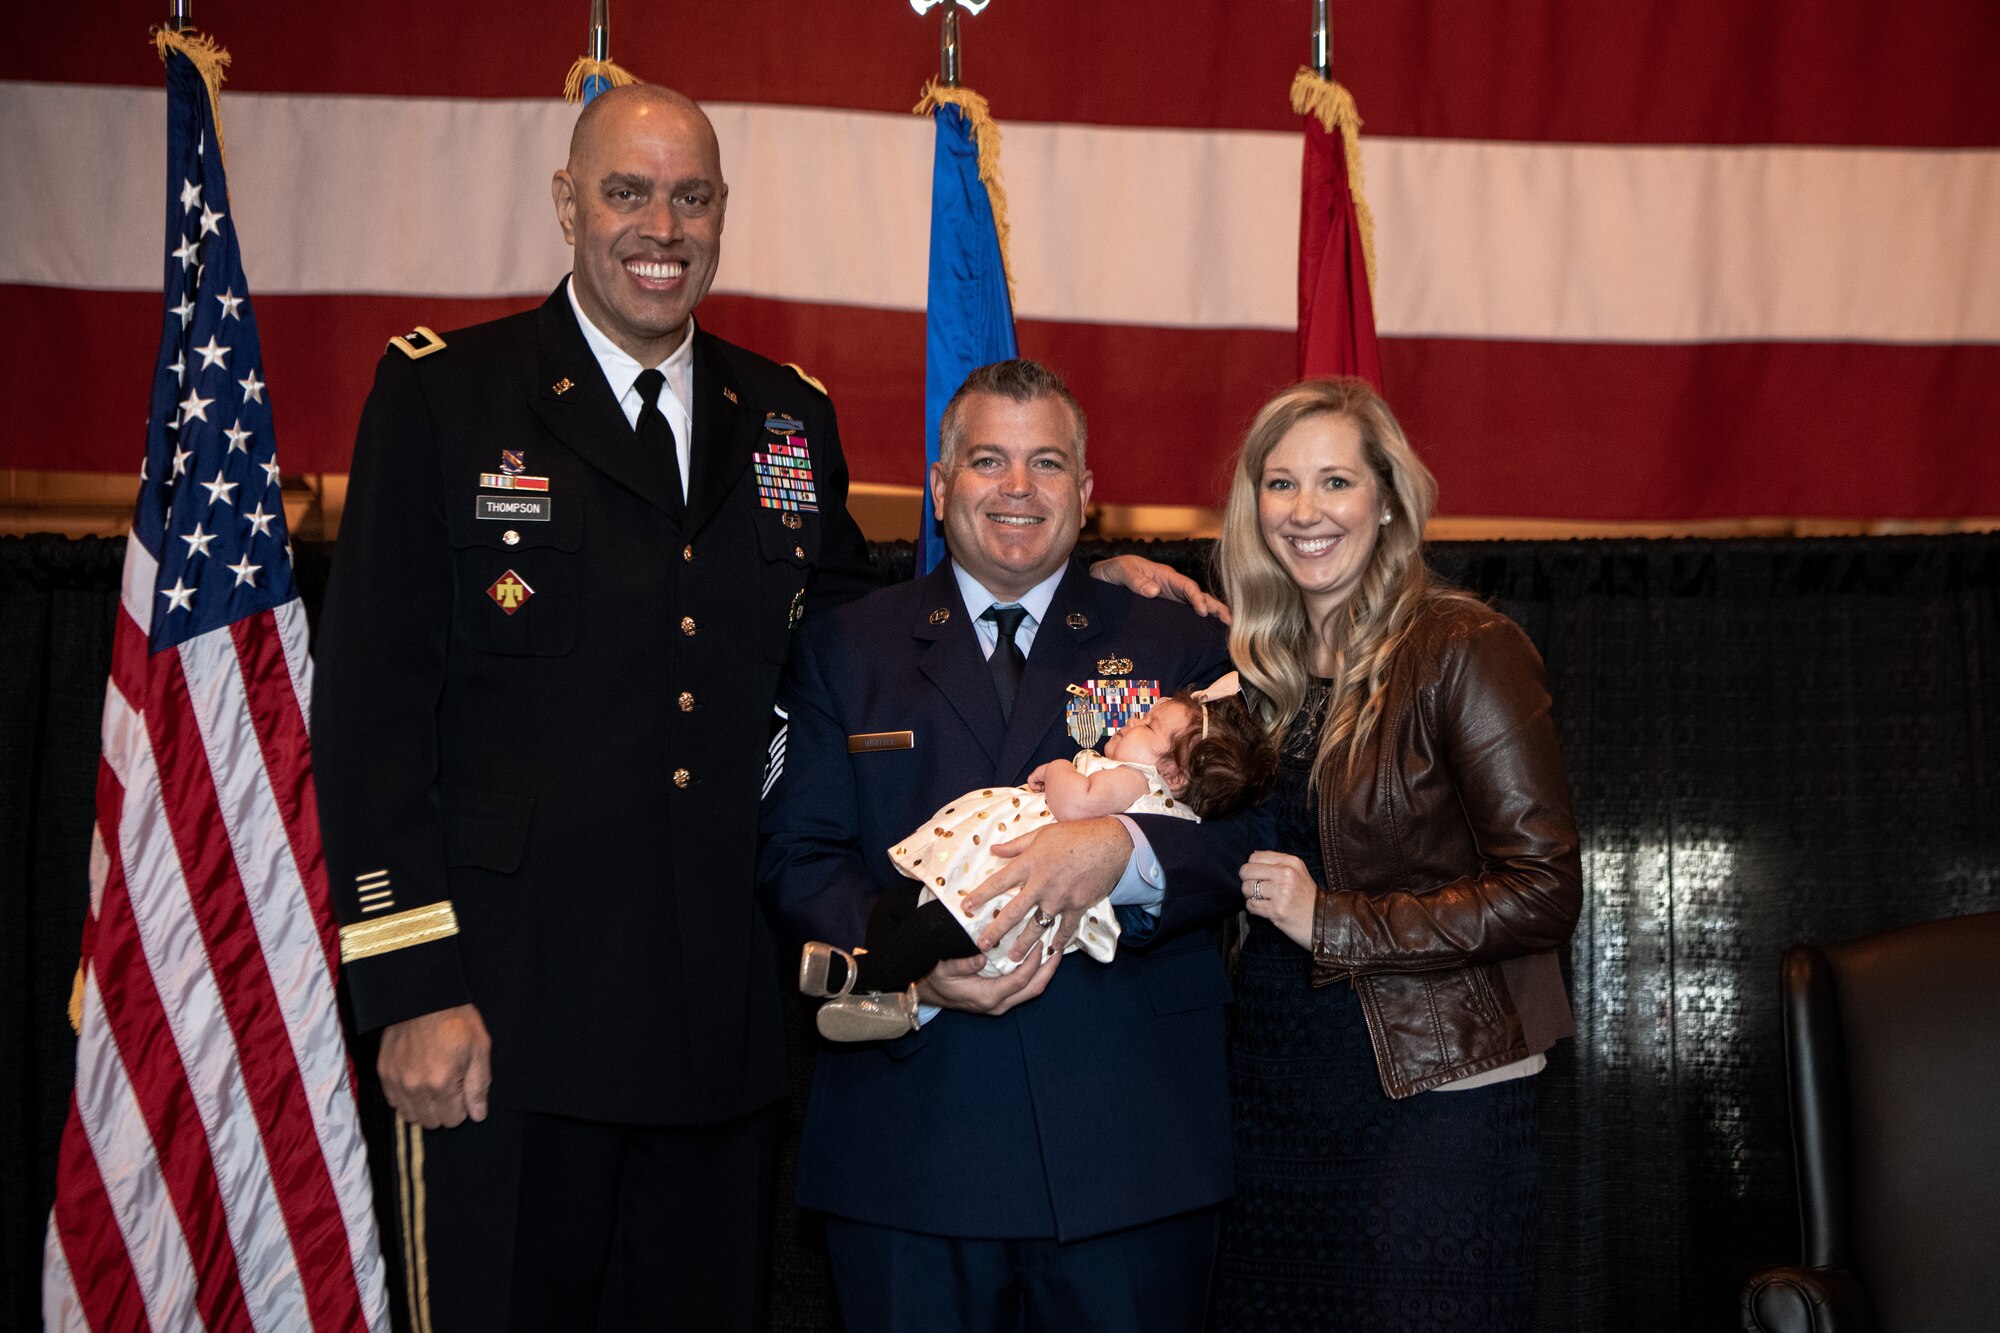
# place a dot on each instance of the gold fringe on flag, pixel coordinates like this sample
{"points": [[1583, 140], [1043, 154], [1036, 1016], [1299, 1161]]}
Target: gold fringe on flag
{"points": [[76, 1002], [209, 59], [986, 136], [1334, 106], [586, 69]]}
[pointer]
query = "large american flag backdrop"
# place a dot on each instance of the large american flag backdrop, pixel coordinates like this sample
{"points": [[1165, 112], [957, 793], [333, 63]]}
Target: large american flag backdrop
{"points": [[212, 1172], [1659, 259]]}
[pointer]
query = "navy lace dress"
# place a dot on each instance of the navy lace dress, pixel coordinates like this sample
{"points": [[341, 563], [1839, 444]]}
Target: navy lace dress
{"points": [[1354, 1212]]}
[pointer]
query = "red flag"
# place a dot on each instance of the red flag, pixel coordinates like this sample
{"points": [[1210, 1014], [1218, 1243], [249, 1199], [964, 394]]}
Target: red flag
{"points": [[1336, 300]]}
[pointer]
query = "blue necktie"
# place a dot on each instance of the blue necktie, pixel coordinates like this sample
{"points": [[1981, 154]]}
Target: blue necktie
{"points": [[1007, 663]]}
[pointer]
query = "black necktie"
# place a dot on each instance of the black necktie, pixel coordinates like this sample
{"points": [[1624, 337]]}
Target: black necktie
{"points": [[1007, 663], [656, 437]]}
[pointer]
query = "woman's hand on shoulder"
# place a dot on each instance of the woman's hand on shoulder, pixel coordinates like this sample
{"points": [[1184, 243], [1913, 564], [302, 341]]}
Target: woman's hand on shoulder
{"points": [[1149, 578], [1277, 888]]}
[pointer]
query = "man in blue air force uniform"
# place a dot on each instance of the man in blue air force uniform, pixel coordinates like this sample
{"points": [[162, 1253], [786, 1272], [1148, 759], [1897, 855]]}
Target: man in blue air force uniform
{"points": [[1049, 1149]]}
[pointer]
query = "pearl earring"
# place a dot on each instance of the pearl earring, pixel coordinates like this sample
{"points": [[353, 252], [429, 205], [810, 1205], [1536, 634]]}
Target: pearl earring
{"points": [[1386, 519]]}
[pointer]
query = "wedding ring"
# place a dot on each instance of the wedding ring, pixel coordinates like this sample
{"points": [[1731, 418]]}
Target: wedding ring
{"points": [[1043, 919], [1257, 890]]}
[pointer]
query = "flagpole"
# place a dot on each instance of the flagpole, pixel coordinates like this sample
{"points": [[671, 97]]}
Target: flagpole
{"points": [[182, 17], [948, 46], [593, 72], [1322, 42]]}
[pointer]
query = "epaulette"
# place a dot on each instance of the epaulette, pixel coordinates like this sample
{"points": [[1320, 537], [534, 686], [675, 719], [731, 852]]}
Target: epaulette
{"points": [[418, 343], [799, 370]]}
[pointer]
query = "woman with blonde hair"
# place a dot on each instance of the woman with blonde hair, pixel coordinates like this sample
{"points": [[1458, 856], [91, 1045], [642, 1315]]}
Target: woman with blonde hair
{"points": [[1399, 982]]}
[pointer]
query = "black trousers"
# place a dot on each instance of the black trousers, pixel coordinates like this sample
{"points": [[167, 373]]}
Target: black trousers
{"points": [[1144, 1279], [534, 1222]]}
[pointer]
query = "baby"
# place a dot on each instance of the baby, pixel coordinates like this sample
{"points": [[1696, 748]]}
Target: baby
{"points": [[1185, 758]]}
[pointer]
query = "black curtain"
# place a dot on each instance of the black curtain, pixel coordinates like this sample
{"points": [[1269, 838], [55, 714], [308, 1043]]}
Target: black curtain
{"points": [[1769, 741]]}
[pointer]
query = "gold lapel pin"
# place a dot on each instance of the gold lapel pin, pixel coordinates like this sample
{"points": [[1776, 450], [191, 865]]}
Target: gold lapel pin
{"points": [[939, 616], [563, 386], [1077, 620], [730, 394]]}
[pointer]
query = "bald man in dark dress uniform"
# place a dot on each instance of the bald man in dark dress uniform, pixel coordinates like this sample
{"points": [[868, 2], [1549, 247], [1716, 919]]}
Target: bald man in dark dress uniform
{"points": [[575, 547]]}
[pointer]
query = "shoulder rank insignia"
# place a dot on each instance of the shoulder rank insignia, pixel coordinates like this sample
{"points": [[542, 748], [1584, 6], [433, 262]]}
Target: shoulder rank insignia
{"points": [[799, 370], [418, 343]]}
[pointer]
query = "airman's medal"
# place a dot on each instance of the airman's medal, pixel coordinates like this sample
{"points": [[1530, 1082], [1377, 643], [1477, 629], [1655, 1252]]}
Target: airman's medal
{"points": [[1084, 719], [510, 592]]}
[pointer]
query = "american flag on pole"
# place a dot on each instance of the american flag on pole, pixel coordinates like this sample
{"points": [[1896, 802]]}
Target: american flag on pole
{"points": [[212, 1172]]}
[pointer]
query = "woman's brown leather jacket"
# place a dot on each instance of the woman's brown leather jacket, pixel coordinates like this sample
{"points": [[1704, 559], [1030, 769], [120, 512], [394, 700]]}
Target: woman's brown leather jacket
{"points": [[1452, 867]]}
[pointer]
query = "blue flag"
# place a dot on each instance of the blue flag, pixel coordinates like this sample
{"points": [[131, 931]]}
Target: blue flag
{"points": [[210, 511], [971, 317]]}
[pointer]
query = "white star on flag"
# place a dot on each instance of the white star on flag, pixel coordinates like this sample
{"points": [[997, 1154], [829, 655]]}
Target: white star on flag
{"points": [[219, 490], [180, 597], [194, 407], [244, 571], [185, 310], [181, 457], [253, 388], [190, 196], [271, 469], [239, 438], [198, 541], [230, 300], [259, 521], [189, 249], [213, 354], [179, 367], [210, 220]]}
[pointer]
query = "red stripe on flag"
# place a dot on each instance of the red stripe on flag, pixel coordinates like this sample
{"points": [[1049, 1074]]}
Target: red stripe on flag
{"points": [[1646, 71], [1599, 431], [287, 753], [130, 663], [100, 1271], [270, 1072], [146, 1046]]}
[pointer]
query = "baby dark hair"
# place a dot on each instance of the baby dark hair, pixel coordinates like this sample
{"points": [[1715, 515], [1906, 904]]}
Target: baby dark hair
{"points": [[1231, 768]]}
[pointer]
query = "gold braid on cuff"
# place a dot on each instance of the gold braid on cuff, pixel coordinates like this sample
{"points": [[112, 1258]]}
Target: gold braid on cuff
{"points": [[419, 925]]}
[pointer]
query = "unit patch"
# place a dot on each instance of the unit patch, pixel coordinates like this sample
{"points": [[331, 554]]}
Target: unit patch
{"points": [[510, 592], [784, 475]]}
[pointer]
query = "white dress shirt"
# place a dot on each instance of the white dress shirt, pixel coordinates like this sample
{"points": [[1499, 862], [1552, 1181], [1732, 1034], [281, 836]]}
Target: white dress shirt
{"points": [[622, 372]]}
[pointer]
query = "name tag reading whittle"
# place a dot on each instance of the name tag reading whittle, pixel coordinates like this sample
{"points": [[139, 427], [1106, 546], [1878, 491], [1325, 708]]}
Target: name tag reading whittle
{"points": [[881, 740], [515, 508]]}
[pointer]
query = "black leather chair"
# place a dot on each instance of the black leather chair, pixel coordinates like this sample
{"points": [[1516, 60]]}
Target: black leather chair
{"points": [[1892, 1046]]}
